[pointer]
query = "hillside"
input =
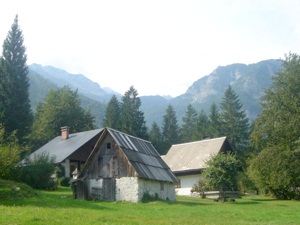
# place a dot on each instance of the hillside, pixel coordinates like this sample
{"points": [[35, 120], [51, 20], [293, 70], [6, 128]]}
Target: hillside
{"points": [[40, 86], [249, 81], [84, 85]]}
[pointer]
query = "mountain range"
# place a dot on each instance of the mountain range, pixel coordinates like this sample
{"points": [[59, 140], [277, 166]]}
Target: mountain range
{"points": [[249, 82]]}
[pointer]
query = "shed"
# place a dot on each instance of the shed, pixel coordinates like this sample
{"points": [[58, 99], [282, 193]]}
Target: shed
{"points": [[70, 150], [122, 167], [187, 160]]}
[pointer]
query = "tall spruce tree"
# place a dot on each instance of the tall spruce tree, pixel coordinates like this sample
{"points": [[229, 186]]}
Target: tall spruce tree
{"points": [[170, 129], [155, 137], [189, 125], [235, 124], [132, 118], [113, 114], [214, 121], [16, 111], [202, 126]]}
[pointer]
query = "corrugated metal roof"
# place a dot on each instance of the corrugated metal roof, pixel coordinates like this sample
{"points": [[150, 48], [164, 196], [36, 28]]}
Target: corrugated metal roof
{"points": [[192, 155], [60, 149], [143, 157]]}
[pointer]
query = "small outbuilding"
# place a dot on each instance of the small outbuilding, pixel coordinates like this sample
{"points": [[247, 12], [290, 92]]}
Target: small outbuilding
{"points": [[122, 167], [188, 160], [69, 150]]}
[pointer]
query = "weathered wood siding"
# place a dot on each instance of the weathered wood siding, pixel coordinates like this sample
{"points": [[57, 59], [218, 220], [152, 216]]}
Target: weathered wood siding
{"points": [[110, 162]]}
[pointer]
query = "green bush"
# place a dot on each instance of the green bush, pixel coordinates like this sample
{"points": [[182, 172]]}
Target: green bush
{"points": [[276, 171], [65, 181], [39, 172], [222, 173], [9, 154]]}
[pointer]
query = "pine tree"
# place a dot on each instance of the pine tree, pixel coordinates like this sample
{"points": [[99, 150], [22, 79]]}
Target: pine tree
{"points": [[17, 114], [235, 124], [202, 126], [60, 108], [280, 117], [155, 137], [170, 129], [112, 114], [132, 118], [189, 125], [214, 121]]}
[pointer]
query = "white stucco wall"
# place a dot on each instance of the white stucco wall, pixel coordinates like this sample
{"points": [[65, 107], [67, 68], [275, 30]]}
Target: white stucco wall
{"points": [[127, 189], [154, 187], [186, 184], [132, 189]]}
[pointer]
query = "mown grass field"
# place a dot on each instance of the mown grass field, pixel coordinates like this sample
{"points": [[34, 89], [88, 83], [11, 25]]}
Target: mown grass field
{"points": [[58, 207]]}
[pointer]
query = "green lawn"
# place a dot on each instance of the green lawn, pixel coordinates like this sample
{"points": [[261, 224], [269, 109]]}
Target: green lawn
{"points": [[58, 207]]}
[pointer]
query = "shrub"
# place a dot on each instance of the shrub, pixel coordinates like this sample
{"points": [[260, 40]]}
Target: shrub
{"points": [[221, 173], [39, 172], [9, 154], [280, 176], [65, 182]]}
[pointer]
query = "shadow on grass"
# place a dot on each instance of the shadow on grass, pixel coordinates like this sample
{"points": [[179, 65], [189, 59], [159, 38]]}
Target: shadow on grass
{"points": [[54, 199]]}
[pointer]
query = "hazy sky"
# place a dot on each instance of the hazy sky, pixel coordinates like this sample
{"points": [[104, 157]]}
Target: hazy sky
{"points": [[160, 47]]}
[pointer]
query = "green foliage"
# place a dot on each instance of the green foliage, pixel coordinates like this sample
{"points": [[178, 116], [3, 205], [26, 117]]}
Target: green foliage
{"points": [[280, 117], [189, 125], [132, 118], [170, 129], [235, 124], [222, 172], [15, 112], [9, 154], [276, 171], [202, 126], [38, 172], [155, 137], [112, 114], [61, 108], [65, 181], [12, 190], [276, 134], [214, 121]]}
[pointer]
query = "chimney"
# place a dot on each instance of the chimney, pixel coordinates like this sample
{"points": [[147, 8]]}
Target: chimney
{"points": [[64, 132]]}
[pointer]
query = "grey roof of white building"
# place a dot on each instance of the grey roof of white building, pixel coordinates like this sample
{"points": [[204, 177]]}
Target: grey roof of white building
{"points": [[60, 149], [193, 155]]}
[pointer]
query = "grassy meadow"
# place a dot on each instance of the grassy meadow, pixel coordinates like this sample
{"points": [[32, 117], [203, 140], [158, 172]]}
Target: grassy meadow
{"points": [[58, 207]]}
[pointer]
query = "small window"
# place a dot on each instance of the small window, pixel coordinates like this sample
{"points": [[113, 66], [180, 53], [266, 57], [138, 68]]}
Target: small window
{"points": [[108, 145], [178, 185], [162, 187]]}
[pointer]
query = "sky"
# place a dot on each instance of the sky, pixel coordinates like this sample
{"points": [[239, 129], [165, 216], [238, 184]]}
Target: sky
{"points": [[160, 47]]}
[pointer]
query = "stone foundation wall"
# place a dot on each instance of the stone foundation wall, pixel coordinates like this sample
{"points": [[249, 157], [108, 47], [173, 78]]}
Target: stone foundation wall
{"points": [[127, 189], [164, 190]]}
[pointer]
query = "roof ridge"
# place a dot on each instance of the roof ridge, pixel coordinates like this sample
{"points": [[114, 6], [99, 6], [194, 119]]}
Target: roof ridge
{"points": [[205, 140], [81, 132], [128, 135]]}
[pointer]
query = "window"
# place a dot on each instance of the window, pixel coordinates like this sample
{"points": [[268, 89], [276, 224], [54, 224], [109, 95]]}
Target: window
{"points": [[108, 145], [178, 185], [162, 187]]}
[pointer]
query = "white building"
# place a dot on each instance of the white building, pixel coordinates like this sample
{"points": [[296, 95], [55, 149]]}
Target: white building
{"points": [[188, 160]]}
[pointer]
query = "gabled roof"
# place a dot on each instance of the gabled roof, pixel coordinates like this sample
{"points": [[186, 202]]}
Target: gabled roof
{"points": [[60, 149], [140, 153], [193, 156]]}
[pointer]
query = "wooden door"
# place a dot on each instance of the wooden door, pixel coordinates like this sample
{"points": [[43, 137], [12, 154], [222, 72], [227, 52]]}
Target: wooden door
{"points": [[109, 189]]}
